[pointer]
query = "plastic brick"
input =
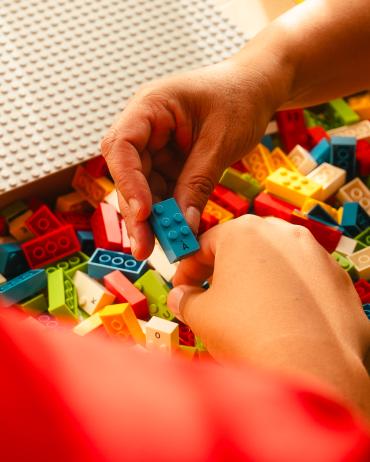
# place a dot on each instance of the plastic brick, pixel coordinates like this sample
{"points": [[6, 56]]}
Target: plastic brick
{"points": [[343, 154], [42, 221], [23, 286], [62, 296], [104, 261], [106, 227]]}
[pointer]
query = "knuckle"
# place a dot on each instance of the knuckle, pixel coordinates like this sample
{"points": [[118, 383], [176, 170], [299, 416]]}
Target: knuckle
{"points": [[200, 186], [107, 142]]}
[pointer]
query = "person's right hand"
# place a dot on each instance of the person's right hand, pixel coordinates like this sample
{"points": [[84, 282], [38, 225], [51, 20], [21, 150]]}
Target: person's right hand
{"points": [[178, 134]]}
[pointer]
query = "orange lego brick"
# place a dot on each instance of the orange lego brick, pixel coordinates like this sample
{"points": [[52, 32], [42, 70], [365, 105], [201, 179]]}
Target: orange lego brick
{"points": [[277, 159], [120, 320], [91, 189], [218, 212], [361, 105], [256, 164], [71, 202], [18, 227]]}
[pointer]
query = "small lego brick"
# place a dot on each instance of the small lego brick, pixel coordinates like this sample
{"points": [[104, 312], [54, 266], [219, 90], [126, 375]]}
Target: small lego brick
{"points": [[97, 167], [256, 164], [309, 204], [23, 286], [35, 305], [120, 320], [104, 261], [230, 201], [363, 289], [325, 235], [50, 247], [76, 262], [3, 226], [321, 152], [318, 213], [366, 308], [13, 210], [162, 335], [361, 262], [342, 112], [217, 212], [292, 186], [343, 154], [93, 190], [112, 199], [2, 279], [330, 178], [88, 325], [361, 105], [92, 296], [277, 159], [186, 335], [316, 134], [355, 191], [106, 227], [363, 157], [346, 245], [267, 205], [302, 160], [71, 202], [241, 183], [62, 296], [360, 130], [86, 239], [18, 227], [12, 260], [173, 233], [79, 220], [292, 128], [42, 221], [355, 219], [364, 237], [126, 245], [207, 221], [159, 262], [153, 286], [126, 292]]}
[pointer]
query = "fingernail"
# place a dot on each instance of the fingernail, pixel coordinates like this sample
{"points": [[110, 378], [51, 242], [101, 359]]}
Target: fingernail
{"points": [[133, 245], [134, 207], [174, 301], [192, 216]]}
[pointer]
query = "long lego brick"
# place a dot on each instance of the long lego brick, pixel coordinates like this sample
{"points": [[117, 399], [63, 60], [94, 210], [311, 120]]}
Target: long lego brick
{"points": [[91, 189], [106, 227], [120, 320], [241, 183], [62, 296], [42, 221], [23, 286], [267, 205], [292, 128], [125, 291], [230, 201], [343, 154], [104, 261], [51, 247]]}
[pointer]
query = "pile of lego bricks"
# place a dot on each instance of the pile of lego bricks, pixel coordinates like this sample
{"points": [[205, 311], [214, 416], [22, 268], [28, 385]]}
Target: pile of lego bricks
{"points": [[71, 261]]}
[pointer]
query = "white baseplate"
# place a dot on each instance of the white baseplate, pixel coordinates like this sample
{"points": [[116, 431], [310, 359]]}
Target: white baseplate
{"points": [[67, 67]]}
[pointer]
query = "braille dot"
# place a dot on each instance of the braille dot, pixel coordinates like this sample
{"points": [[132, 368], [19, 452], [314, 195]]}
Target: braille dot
{"points": [[172, 235]]}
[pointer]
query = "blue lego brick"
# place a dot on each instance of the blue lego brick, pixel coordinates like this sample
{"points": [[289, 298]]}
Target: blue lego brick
{"points": [[173, 233], [104, 261], [319, 214], [343, 154], [366, 308], [321, 152], [23, 286], [354, 219], [12, 260], [86, 239], [267, 141]]}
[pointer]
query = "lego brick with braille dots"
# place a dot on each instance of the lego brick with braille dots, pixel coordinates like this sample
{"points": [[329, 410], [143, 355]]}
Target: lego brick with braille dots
{"points": [[104, 261], [162, 335], [321, 152], [43, 221], [343, 154], [302, 160], [330, 178], [231, 201], [240, 183], [364, 237], [354, 219], [355, 191], [51, 247], [79, 220], [62, 295], [361, 262], [120, 320], [346, 245], [92, 296], [12, 260], [256, 164], [18, 227], [126, 292], [86, 239], [159, 262], [218, 212], [360, 130], [266, 205], [154, 287], [276, 159], [71, 264], [71, 202], [93, 190], [342, 112], [23, 286], [292, 128], [363, 157], [173, 233], [106, 227], [91, 324], [292, 186]]}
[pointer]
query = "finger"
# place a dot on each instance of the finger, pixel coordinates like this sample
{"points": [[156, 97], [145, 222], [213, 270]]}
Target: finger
{"points": [[158, 185]]}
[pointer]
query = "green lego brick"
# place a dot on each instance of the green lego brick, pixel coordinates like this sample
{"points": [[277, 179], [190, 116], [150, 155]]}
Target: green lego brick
{"points": [[154, 287], [62, 295], [345, 264], [242, 183], [13, 210], [310, 119], [35, 305], [342, 112], [364, 237], [76, 262]]}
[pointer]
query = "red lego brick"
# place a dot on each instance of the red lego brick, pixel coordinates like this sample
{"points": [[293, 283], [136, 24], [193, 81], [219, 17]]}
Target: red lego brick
{"points": [[240, 167], [97, 167], [230, 200], [363, 157], [363, 290], [292, 129], [316, 134], [126, 246], [79, 220], [207, 221], [105, 227], [326, 236], [51, 247], [34, 203], [266, 205], [42, 221], [186, 335], [126, 292], [3, 226]]}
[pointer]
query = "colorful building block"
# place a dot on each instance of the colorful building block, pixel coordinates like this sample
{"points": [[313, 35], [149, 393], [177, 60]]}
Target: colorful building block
{"points": [[292, 186], [104, 261], [343, 154], [355, 191], [186, 335], [330, 178], [321, 152], [51, 247], [363, 289], [207, 221], [302, 160], [159, 262], [318, 213], [125, 245], [79, 220], [345, 264], [276, 159], [364, 237], [35, 305], [92, 296], [363, 157], [62, 296], [316, 134], [23, 286], [342, 112], [241, 183], [88, 325], [43, 221], [97, 167], [71, 202], [256, 164], [218, 212], [162, 335], [267, 205], [12, 260], [173, 233], [120, 321], [93, 190], [292, 128], [71, 264], [230, 201], [354, 219], [346, 245], [106, 227], [153, 286], [18, 227], [361, 105], [309, 204], [267, 141], [360, 130], [126, 292], [361, 262], [112, 199], [86, 239]]}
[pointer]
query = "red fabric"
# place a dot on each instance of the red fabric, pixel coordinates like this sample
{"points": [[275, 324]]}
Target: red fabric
{"points": [[65, 398]]}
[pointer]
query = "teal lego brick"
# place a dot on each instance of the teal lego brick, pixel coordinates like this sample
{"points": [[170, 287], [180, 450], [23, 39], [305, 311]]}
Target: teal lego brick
{"points": [[23, 286], [321, 152], [354, 219], [103, 262], [12, 260]]}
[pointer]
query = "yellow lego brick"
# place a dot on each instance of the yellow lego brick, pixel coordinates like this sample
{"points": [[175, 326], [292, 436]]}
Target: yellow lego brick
{"points": [[292, 186], [218, 212], [88, 325], [309, 204], [19, 230], [256, 164], [71, 202], [355, 191], [277, 159], [361, 262], [361, 105], [120, 320]]}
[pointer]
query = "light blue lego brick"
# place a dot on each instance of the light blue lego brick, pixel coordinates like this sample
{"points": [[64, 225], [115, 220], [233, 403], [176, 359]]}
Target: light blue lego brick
{"points": [[173, 233], [23, 286], [12, 260], [104, 261], [354, 219], [366, 308], [321, 152], [319, 214], [86, 239], [343, 154], [267, 141]]}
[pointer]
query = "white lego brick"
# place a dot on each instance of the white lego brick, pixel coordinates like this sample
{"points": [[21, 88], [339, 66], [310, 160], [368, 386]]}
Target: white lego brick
{"points": [[112, 199], [355, 191], [92, 296], [360, 130], [302, 159], [162, 335], [330, 177], [271, 128], [2, 279], [346, 245], [361, 262], [159, 262]]}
